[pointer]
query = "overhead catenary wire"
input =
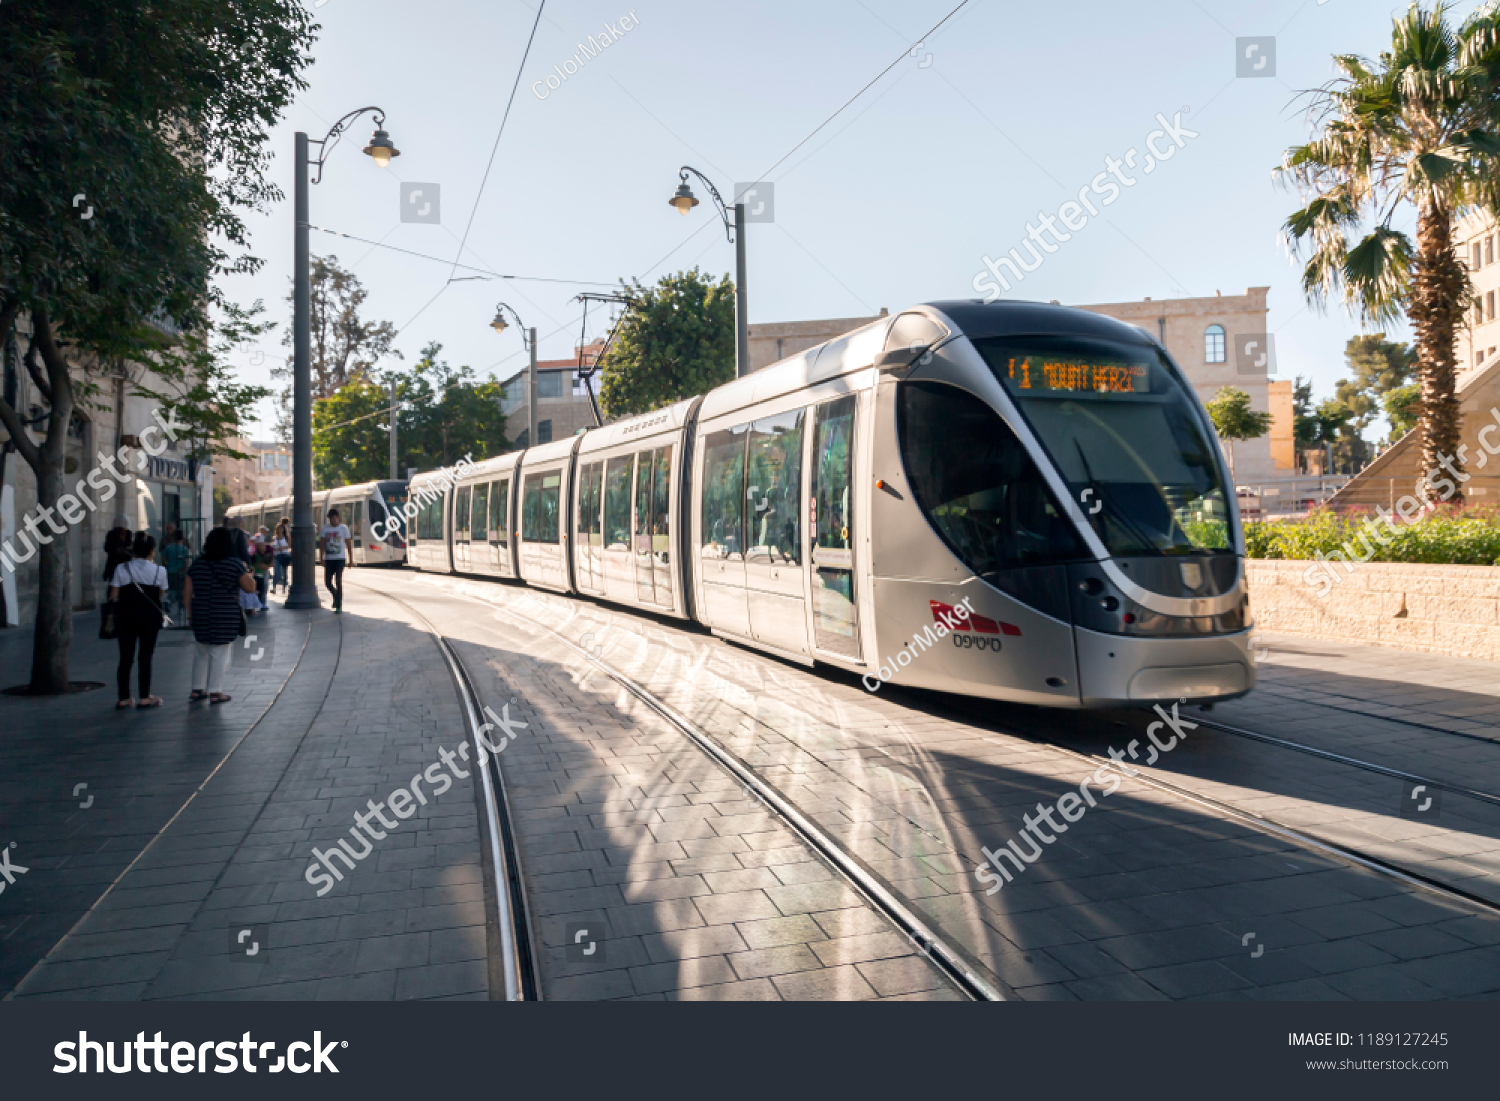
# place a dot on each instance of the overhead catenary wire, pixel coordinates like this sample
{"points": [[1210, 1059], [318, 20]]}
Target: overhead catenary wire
{"points": [[465, 267], [778, 162], [494, 149]]}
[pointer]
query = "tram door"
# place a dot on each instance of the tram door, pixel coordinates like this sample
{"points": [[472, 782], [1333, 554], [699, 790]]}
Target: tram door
{"points": [[831, 529]]}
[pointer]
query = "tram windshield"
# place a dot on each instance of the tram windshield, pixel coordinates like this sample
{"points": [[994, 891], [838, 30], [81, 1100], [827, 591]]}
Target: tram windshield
{"points": [[1119, 423]]}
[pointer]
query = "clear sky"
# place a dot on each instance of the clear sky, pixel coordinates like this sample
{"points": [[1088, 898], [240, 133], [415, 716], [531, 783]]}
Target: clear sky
{"points": [[1006, 112]]}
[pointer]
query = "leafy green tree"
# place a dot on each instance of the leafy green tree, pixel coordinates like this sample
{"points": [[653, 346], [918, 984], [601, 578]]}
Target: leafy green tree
{"points": [[1401, 407], [450, 413], [1235, 420], [223, 502], [345, 346], [676, 340], [1304, 427], [1329, 422], [1417, 128], [1379, 366], [443, 413], [132, 136], [350, 440]]}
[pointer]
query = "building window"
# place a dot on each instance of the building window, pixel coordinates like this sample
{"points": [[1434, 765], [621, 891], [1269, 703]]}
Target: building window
{"points": [[1475, 264], [543, 432], [549, 384], [779, 353], [1489, 306], [1213, 344], [1489, 249]]}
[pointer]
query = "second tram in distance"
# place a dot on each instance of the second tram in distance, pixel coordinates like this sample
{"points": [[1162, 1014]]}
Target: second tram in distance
{"points": [[1045, 469]]}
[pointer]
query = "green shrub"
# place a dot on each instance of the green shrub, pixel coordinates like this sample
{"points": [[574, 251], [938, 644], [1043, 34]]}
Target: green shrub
{"points": [[1450, 536]]}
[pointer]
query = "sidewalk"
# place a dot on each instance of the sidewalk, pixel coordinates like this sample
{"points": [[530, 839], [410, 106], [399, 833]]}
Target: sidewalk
{"points": [[203, 819]]}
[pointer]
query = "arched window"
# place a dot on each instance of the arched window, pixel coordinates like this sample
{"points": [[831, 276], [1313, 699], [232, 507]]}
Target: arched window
{"points": [[1213, 344]]}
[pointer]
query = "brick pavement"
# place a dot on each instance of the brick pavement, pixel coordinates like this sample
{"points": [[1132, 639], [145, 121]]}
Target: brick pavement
{"points": [[369, 703], [1147, 897], [688, 889]]}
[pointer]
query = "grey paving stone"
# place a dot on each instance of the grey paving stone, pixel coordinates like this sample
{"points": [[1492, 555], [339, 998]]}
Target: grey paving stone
{"points": [[765, 962], [442, 980], [658, 978], [828, 984]]}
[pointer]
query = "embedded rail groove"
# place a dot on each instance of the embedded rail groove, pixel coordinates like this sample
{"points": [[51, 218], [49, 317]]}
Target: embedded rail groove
{"points": [[1354, 762], [518, 963]]}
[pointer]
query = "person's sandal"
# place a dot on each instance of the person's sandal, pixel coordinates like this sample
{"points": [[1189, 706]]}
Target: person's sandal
{"points": [[124, 705], [218, 697], [149, 701], [197, 694]]}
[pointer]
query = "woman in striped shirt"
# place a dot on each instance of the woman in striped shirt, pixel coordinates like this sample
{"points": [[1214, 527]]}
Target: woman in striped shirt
{"points": [[211, 593]]}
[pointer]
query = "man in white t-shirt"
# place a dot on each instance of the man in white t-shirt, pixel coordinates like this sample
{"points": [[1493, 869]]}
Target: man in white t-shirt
{"points": [[335, 536]]}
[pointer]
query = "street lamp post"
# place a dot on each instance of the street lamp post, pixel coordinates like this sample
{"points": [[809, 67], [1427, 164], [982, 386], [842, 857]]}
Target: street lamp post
{"points": [[529, 337], [734, 228], [304, 588]]}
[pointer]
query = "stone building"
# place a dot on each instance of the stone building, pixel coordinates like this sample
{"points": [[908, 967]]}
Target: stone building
{"points": [[266, 473], [168, 491], [562, 399]]}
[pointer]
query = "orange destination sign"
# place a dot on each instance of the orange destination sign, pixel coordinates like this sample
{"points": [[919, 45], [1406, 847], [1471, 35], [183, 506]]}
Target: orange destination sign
{"points": [[1041, 375]]}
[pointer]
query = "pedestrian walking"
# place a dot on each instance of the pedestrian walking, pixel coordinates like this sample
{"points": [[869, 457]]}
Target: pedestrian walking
{"points": [[212, 593], [335, 540], [282, 545], [139, 586], [262, 559]]}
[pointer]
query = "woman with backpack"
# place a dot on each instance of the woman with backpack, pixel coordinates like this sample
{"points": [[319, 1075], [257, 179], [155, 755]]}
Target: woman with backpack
{"points": [[212, 595], [139, 586]]}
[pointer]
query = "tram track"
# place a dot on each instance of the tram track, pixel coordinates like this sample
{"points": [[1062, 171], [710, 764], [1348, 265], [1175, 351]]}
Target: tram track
{"points": [[952, 961], [1407, 875], [518, 967], [1354, 762]]}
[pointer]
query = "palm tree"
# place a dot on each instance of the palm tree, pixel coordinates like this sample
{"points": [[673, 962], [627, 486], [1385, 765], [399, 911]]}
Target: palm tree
{"points": [[1421, 126]]}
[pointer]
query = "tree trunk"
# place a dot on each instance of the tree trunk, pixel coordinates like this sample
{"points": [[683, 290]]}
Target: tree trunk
{"points": [[53, 633], [1436, 310]]}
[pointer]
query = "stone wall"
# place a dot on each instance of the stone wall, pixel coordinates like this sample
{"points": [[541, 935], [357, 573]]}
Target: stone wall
{"points": [[1452, 610]]}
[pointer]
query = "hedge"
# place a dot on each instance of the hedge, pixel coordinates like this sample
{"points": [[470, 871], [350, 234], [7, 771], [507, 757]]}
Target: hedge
{"points": [[1449, 536]]}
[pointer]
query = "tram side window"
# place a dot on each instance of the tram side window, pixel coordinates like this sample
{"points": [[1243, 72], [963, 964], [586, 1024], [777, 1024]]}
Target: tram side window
{"points": [[539, 507], [480, 513], [461, 516], [617, 502], [724, 493], [589, 479], [773, 490], [662, 494], [642, 496], [430, 519], [500, 512], [976, 483]]}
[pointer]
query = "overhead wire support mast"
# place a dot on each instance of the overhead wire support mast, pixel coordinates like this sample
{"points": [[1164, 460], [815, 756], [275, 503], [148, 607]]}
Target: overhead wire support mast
{"points": [[586, 375]]}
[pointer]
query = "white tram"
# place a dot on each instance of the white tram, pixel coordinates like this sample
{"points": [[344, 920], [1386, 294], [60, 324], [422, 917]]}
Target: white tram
{"points": [[361, 507], [1007, 500]]}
